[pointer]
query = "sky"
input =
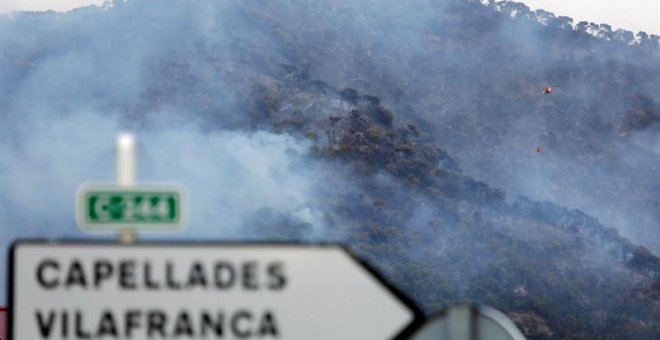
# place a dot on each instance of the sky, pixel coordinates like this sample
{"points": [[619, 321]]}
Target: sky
{"points": [[43, 5], [632, 15]]}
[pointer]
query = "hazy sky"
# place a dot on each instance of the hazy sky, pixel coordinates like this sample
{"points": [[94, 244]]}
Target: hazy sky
{"points": [[40, 5], [632, 15]]}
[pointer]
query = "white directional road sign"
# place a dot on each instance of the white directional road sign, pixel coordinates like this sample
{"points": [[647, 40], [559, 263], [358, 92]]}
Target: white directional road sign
{"points": [[200, 291]]}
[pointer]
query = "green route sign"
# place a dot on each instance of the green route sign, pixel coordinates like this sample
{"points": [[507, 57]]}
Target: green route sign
{"points": [[139, 207]]}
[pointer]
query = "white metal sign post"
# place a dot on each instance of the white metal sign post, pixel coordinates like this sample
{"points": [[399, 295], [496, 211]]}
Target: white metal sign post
{"points": [[200, 291]]}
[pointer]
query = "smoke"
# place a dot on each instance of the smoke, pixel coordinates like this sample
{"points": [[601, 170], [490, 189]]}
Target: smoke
{"points": [[182, 75], [475, 77], [71, 82], [229, 176], [233, 175]]}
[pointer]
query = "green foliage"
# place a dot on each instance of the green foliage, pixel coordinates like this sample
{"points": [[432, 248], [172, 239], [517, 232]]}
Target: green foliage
{"points": [[443, 237], [384, 116]]}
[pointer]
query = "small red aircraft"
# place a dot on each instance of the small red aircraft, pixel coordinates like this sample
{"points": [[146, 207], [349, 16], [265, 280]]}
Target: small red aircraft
{"points": [[548, 89]]}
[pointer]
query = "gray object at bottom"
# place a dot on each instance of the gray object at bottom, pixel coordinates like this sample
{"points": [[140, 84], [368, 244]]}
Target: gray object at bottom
{"points": [[469, 322]]}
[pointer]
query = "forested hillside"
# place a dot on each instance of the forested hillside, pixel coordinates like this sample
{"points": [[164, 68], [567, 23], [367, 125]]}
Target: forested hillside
{"points": [[417, 133]]}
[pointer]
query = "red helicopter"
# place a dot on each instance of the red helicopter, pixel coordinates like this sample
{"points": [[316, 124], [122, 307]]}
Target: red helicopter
{"points": [[548, 89]]}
